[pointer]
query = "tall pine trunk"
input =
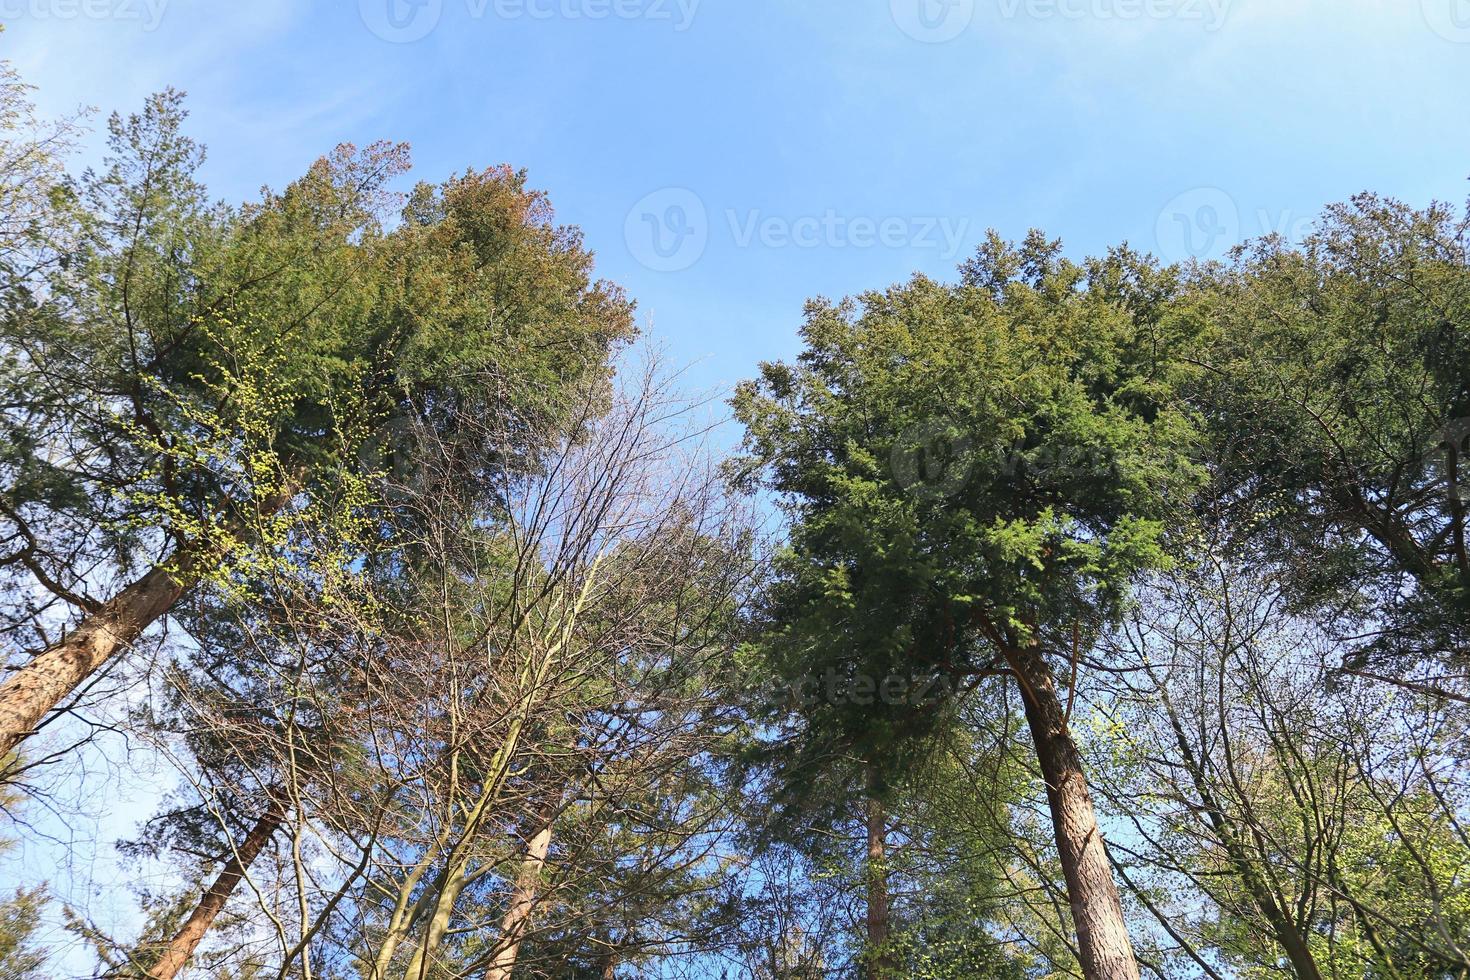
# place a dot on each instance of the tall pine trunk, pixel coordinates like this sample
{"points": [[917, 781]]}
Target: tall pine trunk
{"points": [[29, 693], [523, 900], [880, 964], [181, 948], [1097, 911]]}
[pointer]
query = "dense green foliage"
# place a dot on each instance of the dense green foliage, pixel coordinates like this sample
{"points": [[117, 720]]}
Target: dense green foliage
{"points": [[182, 363], [997, 459], [1337, 376], [1118, 613]]}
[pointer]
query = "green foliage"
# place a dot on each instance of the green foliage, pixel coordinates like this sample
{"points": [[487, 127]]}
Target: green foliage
{"points": [[189, 366], [350, 418], [993, 461], [20, 917], [1336, 380], [1396, 906], [21, 957], [953, 907], [32, 155]]}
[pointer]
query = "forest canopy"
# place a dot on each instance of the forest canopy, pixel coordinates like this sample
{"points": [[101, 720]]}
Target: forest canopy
{"points": [[1097, 618]]}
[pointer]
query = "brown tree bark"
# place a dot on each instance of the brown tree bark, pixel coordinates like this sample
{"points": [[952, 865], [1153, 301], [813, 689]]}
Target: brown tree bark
{"points": [[517, 919], [29, 694], [1097, 912], [880, 967], [181, 948]]}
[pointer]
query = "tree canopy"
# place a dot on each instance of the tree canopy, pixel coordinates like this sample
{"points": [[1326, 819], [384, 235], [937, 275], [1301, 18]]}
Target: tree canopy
{"points": [[1089, 618]]}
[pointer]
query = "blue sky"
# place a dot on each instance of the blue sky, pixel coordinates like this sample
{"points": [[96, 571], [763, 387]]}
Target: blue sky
{"points": [[788, 149], [728, 159]]}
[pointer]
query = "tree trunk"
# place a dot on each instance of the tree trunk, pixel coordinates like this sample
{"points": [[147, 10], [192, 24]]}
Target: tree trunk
{"points": [[457, 877], [181, 948], [1097, 912], [29, 693], [880, 966], [517, 919]]}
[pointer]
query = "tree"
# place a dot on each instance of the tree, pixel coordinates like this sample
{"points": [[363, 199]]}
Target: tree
{"points": [[975, 475], [20, 916], [1313, 826], [1334, 378], [488, 733], [32, 155], [21, 958], [175, 324], [551, 674]]}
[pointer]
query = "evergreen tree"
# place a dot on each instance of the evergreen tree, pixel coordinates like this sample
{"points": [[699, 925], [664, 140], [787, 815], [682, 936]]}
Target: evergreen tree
{"points": [[975, 475], [1336, 380], [183, 377]]}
